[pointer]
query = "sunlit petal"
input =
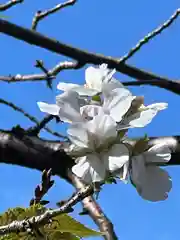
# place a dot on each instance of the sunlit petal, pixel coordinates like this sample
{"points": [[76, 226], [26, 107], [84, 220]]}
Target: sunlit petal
{"points": [[159, 153], [118, 102], [116, 157], [52, 109]]}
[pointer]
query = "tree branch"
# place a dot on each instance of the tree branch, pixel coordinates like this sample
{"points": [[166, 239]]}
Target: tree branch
{"points": [[43, 188], [39, 126], [83, 57], [50, 74], [9, 4], [173, 86], [151, 35], [44, 218], [40, 15], [95, 212], [35, 153]]}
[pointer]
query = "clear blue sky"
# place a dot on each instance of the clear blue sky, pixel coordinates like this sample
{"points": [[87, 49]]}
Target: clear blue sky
{"points": [[111, 28]]}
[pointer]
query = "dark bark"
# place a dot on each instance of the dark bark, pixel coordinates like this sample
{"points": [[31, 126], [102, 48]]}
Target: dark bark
{"points": [[83, 57]]}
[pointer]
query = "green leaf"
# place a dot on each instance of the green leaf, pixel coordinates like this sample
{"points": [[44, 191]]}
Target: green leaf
{"points": [[62, 227], [96, 98], [65, 223]]}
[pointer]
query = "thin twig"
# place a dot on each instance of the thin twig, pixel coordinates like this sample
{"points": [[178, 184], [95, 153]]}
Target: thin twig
{"points": [[44, 218], [30, 117], [151, 35], [51, 74], [9, 4], [43, 188], [42, 14]]}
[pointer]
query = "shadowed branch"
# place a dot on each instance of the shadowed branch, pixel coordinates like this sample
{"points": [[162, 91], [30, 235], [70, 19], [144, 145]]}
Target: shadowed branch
{"points": [[83, 57]]}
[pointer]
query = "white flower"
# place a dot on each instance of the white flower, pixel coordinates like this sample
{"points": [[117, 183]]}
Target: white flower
{"points": [[94, 77], [67, 107], [142, 116], [152, 182], [95, 140]]}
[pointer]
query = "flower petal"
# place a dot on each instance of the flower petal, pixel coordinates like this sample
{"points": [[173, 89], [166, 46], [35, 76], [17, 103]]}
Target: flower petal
{"points": [[52, 109], [82, 169], [90, 111], [156, 184], [107, 87], [96, 76], [78, 135], [159, 153], [69, 107], [116, 157], [97, 170], [102, 129], [138, 171], [144, 116], [66, 86], [117, 103], [90, 169]]}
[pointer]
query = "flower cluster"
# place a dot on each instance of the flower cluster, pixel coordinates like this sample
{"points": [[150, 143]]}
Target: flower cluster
{"points": [[99, 115]]}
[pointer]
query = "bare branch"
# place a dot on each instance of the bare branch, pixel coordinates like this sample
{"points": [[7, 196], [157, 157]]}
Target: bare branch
{"points": [[83, 57], [30, 117], [51, 74], [43, 188], [95, 212], [44, 218], [9, 4], [151, 35], [173, 86], [40, 15]]}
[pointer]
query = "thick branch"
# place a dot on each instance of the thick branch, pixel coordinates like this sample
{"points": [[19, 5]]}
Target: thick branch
{"points": [[83, 57], [9, 4], [34, 153], [44, 218], [40, 15], [173, 86]]}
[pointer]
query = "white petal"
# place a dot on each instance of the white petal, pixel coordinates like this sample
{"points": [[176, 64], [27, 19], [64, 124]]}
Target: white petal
{"points": [[90, 111], [145, 115], [90, 169], [158, 106], [66, 86], [95, 76], [52, 109], [138, 171], [159, 153], [78, 135], [97, 170], [81, 168], [107, 87], [83, 91], [102, 129], [141, 119], [69, 107], [116, 157], [118, 102], [156, 184]]}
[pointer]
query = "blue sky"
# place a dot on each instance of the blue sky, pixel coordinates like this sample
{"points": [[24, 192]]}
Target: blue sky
{"points": [[110, 28]]}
